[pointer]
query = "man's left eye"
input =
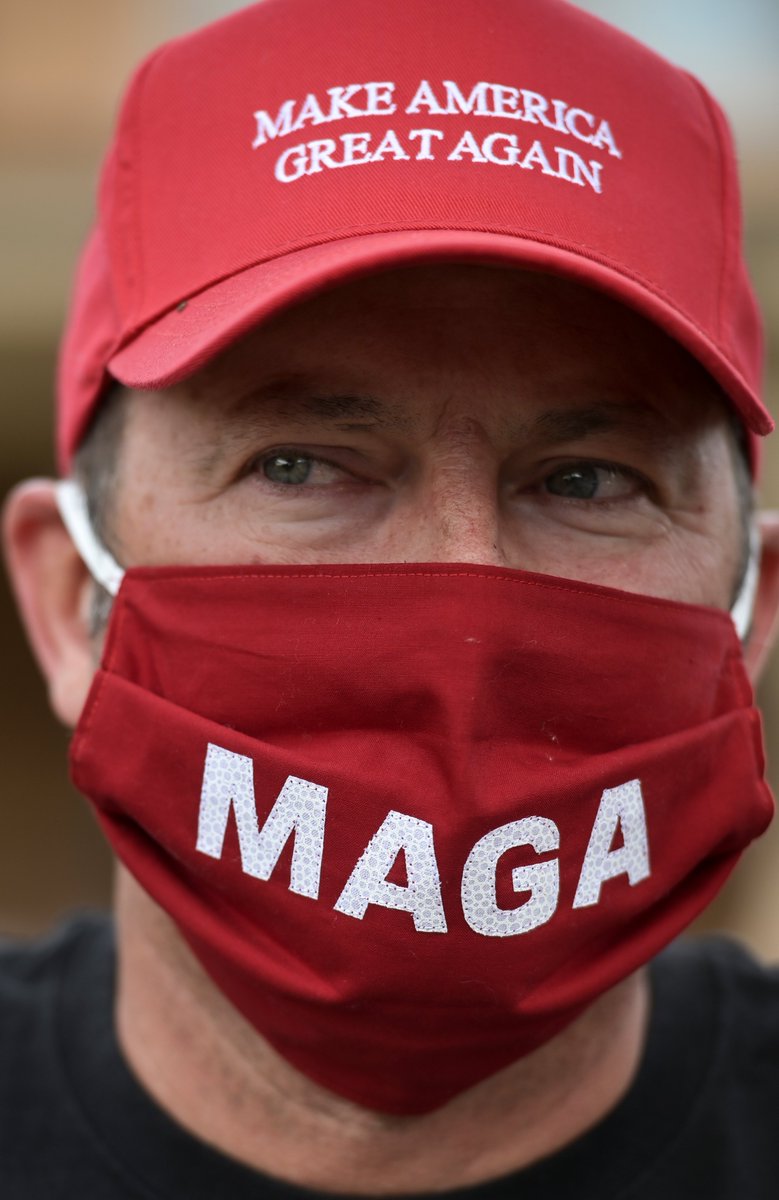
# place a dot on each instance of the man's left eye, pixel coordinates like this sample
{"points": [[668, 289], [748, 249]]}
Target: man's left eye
{"points": [[589, 481], [287, 468]]}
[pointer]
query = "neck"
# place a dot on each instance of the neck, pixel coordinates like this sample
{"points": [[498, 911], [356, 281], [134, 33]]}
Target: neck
{"points": [[209, 1069]]}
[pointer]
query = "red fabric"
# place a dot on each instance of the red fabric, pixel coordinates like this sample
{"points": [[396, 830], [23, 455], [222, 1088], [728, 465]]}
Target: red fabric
{"points": [[191, 211], [466, 697]]}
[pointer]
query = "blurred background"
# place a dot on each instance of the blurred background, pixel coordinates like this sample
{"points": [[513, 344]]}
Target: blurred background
{"points": [[62, 67]]}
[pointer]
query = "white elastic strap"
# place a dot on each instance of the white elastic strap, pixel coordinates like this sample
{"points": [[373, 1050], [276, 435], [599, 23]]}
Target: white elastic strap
{"points": [[103, 568], [742, 610]]}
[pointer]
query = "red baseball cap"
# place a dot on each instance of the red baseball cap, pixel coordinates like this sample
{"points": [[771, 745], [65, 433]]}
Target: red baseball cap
{"points": [[296, 144]]}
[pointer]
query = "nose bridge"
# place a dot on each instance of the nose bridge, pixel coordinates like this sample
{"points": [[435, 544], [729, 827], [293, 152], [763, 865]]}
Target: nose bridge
{"points": [[458, 501]]}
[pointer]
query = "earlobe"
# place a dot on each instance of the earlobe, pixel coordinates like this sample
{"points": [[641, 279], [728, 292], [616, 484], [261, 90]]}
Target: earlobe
{"points": [[765, 620], [53, 590]]}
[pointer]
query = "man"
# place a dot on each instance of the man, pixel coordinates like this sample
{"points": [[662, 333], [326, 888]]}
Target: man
{"points": [[409, 426]]}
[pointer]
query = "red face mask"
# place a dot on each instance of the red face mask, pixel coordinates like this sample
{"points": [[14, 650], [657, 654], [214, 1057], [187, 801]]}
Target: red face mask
{"points": [[413, 820]]}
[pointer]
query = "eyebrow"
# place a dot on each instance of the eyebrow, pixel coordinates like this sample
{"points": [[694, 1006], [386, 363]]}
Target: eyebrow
{"points": [[300, 401], [572, 424], [295, 400]]}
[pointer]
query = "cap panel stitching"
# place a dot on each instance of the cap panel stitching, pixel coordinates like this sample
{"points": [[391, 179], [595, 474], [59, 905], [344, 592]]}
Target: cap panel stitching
{"points": [[730, 214]]}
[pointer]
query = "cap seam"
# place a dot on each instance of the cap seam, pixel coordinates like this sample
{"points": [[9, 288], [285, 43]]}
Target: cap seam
{"points": [[131, 165], [726, 200]]}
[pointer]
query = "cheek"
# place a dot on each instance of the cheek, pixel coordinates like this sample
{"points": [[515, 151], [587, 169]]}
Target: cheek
{"points": [[696, 557], [703, 558], [701, 567]]}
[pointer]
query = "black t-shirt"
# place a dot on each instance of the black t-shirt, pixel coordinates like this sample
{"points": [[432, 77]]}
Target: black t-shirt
{"points": [[702, 1119]]}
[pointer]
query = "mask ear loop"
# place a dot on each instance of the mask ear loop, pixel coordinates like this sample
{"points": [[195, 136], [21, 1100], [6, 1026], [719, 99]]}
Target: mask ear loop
{"points": [[72, 504], [743, 608]]}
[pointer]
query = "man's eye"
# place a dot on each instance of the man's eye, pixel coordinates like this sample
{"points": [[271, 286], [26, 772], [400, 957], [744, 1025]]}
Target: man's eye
{"points": [[588, 481], [288, 468]]}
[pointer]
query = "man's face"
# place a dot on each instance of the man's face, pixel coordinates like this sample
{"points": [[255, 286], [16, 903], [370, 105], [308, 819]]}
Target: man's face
{"points": [[443, 414]]}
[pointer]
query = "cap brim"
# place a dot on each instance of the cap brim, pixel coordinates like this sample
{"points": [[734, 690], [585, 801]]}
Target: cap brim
{"points": [[184, 339]]}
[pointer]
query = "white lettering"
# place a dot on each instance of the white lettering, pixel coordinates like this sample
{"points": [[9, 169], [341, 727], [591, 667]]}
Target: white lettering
{"points": [[389, 144], [477, 101], [299, 812], [320, 155], [355, 149], [604, 137], [339, 102], [467, 145], [424, 97], [228, 783], [295, 157], [505, 101], [559, 107], [623, 807], [511, 154], [573, 116], [379, 97], [535, 109], [368, 882], [268, 128], [425, 137], [537, 157], [583, 173], [310, 113], [542, 880]]}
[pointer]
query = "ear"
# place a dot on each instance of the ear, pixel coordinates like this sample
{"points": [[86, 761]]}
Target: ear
{"points": [[53, 590], [766, 612]]}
